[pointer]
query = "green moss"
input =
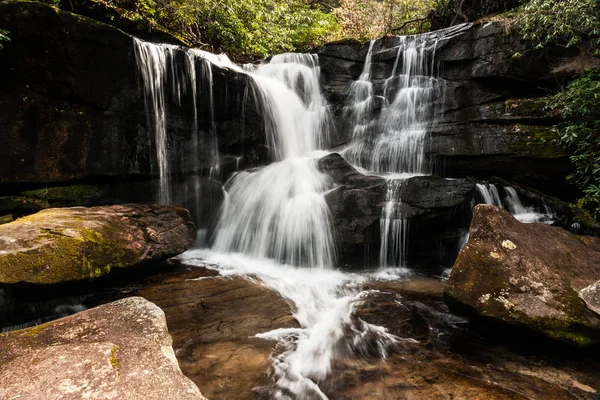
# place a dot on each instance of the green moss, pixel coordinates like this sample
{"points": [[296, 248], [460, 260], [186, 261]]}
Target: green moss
{"points": [[63, 195], [67, 258], [540, 141], [114, 361], [534, 107]]}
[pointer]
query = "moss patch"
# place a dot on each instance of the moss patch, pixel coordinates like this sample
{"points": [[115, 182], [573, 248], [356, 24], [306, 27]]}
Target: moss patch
{"points": [[63, 195], [112, 358]]}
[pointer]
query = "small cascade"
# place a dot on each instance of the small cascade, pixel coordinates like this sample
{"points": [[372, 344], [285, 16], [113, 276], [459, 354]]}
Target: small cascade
{"points": [[513, 202], [153, 62], [394, 140], [394, 229], [490, 195]]}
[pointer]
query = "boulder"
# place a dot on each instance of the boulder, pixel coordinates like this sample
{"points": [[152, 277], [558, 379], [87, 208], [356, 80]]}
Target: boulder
{"points": [[67, 244], [436, 210], [121, 350], [529, 275]]}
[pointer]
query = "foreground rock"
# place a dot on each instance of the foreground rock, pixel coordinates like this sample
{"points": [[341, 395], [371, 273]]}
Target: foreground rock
{"points": [[67, 244], [529, 275], [120, 350], [213, 321]]}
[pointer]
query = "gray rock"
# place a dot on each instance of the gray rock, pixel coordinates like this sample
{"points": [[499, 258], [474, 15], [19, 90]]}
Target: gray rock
{"points": [[591, 296], [121, 350]]}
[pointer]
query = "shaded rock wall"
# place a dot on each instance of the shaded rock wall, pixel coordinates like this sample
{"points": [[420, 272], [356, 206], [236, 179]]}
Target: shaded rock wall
{"points": [[72, 105]]}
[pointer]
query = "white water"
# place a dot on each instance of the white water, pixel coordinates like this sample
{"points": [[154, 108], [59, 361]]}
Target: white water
{"points": [[323, 302], [394, 228], [279, 211], [152, 61], [490, 195], [394, 140]]}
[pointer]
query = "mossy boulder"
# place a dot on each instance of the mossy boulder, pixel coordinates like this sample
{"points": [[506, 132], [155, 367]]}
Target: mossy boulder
{"points": [[529, 275], [120, 350], [69, 244]]}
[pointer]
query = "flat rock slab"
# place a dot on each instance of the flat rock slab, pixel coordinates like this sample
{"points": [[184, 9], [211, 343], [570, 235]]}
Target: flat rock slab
{"points": [[529, 275], [213, 321], [69, 244], [121, 350]]}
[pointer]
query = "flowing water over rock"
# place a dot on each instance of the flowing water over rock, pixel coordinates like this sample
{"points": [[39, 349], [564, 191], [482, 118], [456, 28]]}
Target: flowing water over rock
{"points": [[490, 194]]}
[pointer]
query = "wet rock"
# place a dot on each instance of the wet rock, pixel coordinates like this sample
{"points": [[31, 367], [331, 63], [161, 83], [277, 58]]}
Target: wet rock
{"points": [[121, 350], [528, 275], [72, 105], [213, 321], [65, 244], [434, 207]]}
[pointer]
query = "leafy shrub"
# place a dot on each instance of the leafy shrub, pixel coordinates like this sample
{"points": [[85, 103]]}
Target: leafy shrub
{"points": [[563, 22], [579, 106]]}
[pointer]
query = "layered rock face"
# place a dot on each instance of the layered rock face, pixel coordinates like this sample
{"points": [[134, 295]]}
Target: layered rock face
{"points": [[68, 244], [436, 209], [487, 121], [531, 275], [72, 105], [121, 350]]}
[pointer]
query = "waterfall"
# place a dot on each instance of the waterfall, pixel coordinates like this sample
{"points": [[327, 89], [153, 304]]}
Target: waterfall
{"points": [[394, 229], [279, 211], [152, 60], [394, 140], [512, 202], [489, 194]]}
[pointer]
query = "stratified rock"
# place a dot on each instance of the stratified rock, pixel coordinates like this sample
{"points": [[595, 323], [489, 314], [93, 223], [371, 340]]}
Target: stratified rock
{"points": [[66, 244], [72, 105], [528, 275], [434, 207], [121, 350]]}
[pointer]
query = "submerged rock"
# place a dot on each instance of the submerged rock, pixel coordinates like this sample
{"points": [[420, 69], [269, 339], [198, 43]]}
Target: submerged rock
{"points": [[527, 274], [121, 350], [67, 244]]}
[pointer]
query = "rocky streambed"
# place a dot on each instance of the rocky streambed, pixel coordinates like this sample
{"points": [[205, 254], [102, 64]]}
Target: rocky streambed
{"points": [[213, 320]]}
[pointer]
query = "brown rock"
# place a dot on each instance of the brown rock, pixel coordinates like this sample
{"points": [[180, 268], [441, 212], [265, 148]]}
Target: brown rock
{"points": [[213, 321], [67, 244], [121, 350], [528, 275]]}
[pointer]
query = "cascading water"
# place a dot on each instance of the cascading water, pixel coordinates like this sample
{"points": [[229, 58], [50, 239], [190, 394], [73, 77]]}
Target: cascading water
{"points": [[277, 214], [394, 229], [153, 63], [393, 142], [279, 211], [490, 195]]}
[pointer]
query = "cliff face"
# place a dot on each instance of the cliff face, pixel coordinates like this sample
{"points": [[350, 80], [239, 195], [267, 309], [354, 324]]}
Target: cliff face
{"points": [[490, 118], [72, 105]]}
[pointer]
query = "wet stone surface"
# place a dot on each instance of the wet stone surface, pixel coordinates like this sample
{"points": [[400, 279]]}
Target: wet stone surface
{"points": [[213, 321]]}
